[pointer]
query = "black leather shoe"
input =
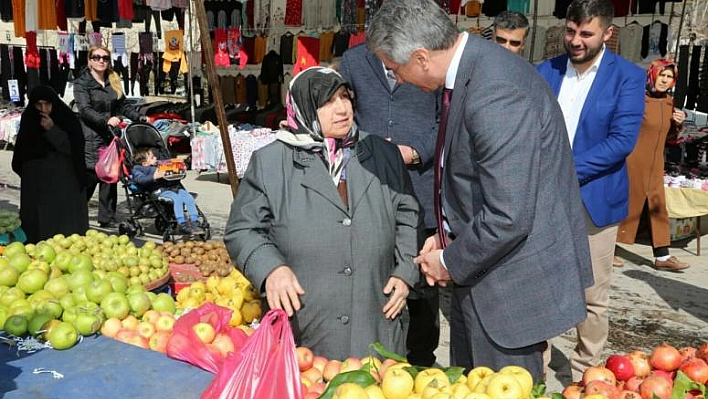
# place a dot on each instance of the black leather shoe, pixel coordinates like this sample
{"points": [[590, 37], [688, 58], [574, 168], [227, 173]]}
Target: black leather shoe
{"points": [[108, 225]]}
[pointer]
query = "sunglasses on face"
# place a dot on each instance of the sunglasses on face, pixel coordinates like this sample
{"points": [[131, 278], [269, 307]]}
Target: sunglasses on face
{"points": [[103, 58], [502, 41]]}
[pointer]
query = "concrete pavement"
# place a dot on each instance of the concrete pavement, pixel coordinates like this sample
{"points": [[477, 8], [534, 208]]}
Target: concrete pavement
{"points": [[647, 306]]}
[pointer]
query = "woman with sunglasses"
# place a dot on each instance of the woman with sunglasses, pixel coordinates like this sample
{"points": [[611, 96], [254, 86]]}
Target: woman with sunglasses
{"points": [[101, 103]]}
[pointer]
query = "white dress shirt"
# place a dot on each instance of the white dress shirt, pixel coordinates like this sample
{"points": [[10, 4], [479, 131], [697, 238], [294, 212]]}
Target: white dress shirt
{"points": [[574, 91]]}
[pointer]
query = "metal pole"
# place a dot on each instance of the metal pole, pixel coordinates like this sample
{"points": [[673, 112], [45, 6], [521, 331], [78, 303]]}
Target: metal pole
{"points": [[190, 64], [533, 32], [678, 35], [216, 93]]}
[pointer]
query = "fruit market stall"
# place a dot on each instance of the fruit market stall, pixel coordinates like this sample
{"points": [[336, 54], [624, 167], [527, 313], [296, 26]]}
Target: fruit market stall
{"points": [[98, 367]]}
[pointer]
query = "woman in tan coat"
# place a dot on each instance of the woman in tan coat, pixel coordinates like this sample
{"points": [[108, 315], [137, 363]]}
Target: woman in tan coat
{"points": [[645, 166]]}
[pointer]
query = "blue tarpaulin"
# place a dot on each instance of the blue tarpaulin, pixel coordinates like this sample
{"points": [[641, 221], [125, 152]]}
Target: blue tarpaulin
{"points": [[98, 367]]}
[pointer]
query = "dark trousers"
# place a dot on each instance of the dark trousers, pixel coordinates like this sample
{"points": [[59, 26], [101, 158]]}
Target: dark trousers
{"points": [[424, 322], [423, 328], [470, 346], [107, 197]]}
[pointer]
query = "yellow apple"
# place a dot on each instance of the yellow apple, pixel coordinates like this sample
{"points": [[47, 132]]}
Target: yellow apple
{"points": [[460, 390], [434, 391], [482, 385], [522, 375], [477, 395], [476, 375], [373, 391], [427, 376], [504, 386], [350, 390], [397, 383]]}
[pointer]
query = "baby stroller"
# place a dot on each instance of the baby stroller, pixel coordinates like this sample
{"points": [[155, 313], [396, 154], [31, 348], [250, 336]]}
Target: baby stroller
{"points": [[146, 205]]}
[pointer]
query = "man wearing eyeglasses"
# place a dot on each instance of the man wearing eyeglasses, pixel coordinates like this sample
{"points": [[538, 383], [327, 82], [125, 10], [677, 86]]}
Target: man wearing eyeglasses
{"points": [[510, 30]]}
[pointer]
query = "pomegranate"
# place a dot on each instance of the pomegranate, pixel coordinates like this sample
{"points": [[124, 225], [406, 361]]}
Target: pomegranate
{"points": [[696, 369], [604, 388], [633, 383], [656, 385], [620, 366], [687, 353], [665, 357], [702, 352], [572, 391], [625, 394], [640, 362], [601, 373], [665, 374]]}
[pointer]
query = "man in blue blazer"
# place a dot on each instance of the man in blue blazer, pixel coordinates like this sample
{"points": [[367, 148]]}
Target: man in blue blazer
{"points": [[602, 98], [406, 116]]}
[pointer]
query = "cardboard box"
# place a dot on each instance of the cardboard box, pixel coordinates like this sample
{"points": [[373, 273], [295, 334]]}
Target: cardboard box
{"points": [[680, 229]]}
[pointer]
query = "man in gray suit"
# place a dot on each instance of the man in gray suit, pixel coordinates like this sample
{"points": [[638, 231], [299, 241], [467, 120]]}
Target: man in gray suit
{"points": [[513, 240], [406, 116]]}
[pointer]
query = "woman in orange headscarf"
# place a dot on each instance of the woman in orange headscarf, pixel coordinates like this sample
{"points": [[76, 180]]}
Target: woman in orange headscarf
{"points": [[645, 165]]}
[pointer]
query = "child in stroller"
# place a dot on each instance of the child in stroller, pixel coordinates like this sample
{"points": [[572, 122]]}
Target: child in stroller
{"points": [[148, 177]]}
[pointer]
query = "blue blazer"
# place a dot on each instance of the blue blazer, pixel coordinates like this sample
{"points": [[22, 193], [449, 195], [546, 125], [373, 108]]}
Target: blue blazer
{"points": [[607, 131]]}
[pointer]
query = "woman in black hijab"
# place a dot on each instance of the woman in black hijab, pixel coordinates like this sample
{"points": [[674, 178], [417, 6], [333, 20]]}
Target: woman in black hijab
{"points": [[49, 158]]}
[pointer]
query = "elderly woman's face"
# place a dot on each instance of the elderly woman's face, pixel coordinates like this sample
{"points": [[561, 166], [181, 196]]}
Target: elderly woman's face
{"points": [[664, 81], [337, 115]]}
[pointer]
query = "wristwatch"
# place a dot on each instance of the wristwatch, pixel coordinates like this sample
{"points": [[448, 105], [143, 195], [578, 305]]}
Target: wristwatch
{"points": [[415, 157]]}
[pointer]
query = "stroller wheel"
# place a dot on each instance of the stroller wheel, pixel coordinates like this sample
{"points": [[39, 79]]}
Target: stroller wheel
{"points": [[161, 224], [128, 229]]}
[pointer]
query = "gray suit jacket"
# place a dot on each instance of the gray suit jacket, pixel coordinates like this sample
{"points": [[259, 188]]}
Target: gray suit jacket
{"points": [[511, 198], [407, 115], [288, 212]]}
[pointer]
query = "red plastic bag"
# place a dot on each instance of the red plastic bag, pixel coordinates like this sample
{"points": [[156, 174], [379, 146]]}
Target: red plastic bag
{"points": [[266, 367], [109, 159], [185, 345]]}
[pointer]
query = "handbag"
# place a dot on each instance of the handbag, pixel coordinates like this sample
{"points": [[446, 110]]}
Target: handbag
{"points": [[109, 161]]}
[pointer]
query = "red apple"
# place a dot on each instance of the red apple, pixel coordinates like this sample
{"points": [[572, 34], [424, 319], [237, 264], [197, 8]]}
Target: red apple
{"points": [[331, 369], [319, 362], [205, 332], [702, 352], [350, 364], [158, 341], [146, 329], [224, 343], [305, 357], [312, 374], [111, 327]]}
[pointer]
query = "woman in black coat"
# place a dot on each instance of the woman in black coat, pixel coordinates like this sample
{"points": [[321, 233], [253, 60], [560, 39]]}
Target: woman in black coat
{"points": [[49, 158], [101, 103]]}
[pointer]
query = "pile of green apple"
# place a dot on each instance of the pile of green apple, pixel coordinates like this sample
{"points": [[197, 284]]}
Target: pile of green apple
{"points": [[55, 283], [9, 221]]}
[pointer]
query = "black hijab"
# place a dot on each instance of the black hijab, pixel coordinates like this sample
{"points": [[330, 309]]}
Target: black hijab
{"points": [[31, 143]]}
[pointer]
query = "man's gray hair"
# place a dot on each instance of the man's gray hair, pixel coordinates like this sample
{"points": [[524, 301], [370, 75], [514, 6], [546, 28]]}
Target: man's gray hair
{"points": [[511, 20], [400, 27]]}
